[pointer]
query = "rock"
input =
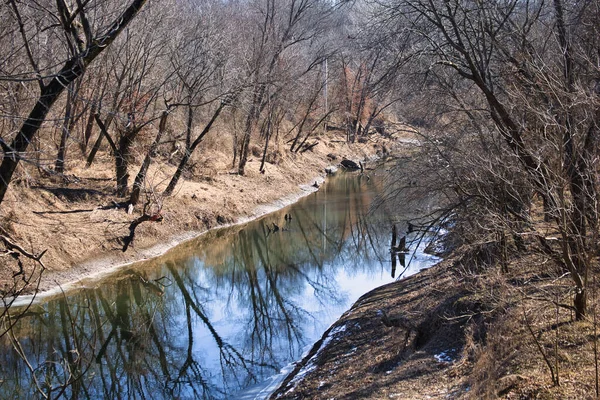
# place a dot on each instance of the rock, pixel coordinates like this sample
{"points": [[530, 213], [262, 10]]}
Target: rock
{"points": [[331, 170], [350, 165], [331, 156]]}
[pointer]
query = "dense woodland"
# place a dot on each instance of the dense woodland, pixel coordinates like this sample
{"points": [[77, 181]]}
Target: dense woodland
{"points": [[504, 95]]}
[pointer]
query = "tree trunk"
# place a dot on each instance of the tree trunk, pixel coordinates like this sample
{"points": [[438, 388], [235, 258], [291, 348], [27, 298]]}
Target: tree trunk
{"points": [[95, 148], [370, 120], [547, 207], [580, 304], [246, 142], [50, 93], [266, 148], [297, 137], [122, 159], [188, 154], [175, 179], [188, 134], [89, 126], [141, 176], [72, 69], [235, 149], [59, 165], [309, 133], [252, 118], [575, 169], [121, 171]]}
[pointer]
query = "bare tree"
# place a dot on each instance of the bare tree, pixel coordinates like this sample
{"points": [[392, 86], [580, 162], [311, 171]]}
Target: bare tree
{"points": [[284, 28], [186, 157], [532, 95], [201, 66], [85, 40], [140, 77]]}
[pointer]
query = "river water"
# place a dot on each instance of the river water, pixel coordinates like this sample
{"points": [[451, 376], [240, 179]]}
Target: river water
{"points": [[217, 317]]}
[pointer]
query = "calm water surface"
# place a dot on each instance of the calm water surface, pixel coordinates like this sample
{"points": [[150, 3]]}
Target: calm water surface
{"points": [[217, 315]]}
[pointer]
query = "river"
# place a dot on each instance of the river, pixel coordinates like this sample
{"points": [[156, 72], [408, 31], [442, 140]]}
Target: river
{"points": [[217, 317]]}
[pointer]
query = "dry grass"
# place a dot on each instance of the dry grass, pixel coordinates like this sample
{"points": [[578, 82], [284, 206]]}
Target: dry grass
{"points": [[533, 340], [503, 331]]}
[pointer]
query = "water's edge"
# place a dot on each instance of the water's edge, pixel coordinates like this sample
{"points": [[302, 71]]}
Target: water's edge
{"points": [[104, 267]]}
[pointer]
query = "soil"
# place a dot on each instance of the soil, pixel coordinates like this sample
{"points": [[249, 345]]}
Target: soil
{"points": [[75, 220], [402, 341], [459, 330]]}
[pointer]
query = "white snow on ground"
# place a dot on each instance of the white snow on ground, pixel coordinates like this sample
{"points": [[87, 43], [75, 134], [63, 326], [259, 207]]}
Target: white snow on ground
{"points": [[445, 356], [310, 364]]}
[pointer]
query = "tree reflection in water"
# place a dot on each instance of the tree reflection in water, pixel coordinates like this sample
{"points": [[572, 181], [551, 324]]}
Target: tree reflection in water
{"points": [[215, 315]]}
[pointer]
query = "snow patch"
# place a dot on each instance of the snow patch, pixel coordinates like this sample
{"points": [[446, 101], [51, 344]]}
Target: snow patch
{"points": [[310, 364], [446, 356]]}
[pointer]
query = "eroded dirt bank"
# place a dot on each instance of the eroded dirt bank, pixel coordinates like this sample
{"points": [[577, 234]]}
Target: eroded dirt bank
{"points": [[462, 329], [398, 341], [82, 235]]}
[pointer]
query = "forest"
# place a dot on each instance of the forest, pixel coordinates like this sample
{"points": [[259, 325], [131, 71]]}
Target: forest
{"points": [[502, 98]]}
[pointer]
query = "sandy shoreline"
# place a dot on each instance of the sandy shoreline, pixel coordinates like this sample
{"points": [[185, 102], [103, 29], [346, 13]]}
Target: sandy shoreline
{"points": [[96, 270]]}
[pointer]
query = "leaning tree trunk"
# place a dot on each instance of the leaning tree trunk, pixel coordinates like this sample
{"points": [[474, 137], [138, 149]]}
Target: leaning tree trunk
{"points": [[103, 133], [50, 93], [141, 176], [73, 69], [95, 148], [188, 154]]}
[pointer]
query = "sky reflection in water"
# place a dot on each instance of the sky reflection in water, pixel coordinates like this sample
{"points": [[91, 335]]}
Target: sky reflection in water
{"points": [[215, 315]]}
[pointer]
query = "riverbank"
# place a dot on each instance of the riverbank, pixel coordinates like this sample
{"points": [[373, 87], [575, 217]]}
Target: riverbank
{"points": [[398, 341], [81, 235], [199, 304], [461, 329], [458, 330]]}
